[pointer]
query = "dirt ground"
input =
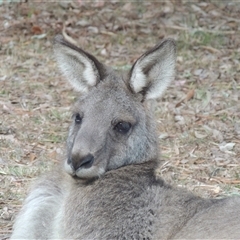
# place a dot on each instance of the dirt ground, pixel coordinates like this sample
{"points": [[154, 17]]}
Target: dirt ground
{"points": [[198, 117]]}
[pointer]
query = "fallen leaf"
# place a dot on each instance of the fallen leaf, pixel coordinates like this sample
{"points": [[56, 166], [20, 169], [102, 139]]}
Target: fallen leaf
{"points": [[168, 8], [189, 96], [83, 23], [93, 29], [200, 135], [227, 147], [197, 72], [99, 4], [179, 119], [53, 155], [32, 157], [163, 136], [180, 82], [217, 135], [127, 7], [41, 36], [36, 30]]}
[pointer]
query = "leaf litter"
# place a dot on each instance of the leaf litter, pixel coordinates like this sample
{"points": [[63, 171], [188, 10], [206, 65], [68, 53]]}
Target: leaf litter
{"points": [[198, 117]]}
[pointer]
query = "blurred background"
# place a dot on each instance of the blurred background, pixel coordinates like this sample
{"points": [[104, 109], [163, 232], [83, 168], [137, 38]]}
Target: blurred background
{"points": [[198, 117]]}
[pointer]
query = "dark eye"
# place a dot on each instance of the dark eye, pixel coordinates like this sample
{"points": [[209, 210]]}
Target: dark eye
{"points": [[123, 127], [78, 118]]}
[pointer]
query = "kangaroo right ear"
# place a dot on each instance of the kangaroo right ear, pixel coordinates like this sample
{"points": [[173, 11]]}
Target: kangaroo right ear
{"points": [[82, 70], [153, 72]]}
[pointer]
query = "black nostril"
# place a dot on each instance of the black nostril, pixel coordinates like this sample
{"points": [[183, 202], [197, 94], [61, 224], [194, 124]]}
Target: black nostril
{"points": [[83, 162], [87, 161]]}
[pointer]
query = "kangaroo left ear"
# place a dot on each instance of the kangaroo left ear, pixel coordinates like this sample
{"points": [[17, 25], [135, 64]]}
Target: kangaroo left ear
{"points": [[80, 68], [153, 72]]}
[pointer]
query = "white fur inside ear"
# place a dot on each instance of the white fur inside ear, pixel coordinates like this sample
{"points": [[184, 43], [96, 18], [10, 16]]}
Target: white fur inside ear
{"points": [[89, 76], [66, 69], [154, 71], [138, 80], [79, 70], [164, 74]]}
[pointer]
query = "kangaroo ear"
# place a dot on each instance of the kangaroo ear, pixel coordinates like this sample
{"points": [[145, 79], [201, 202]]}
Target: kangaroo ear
{"points": [[153, 71], [82, 70]]}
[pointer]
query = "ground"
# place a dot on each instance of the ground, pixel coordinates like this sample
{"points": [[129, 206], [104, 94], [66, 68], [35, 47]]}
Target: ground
{"points": [[198, 117]]}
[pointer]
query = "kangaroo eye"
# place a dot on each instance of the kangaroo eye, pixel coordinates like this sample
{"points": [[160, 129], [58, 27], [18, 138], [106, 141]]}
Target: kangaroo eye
{"points": [[78, 118], [123, 127]]}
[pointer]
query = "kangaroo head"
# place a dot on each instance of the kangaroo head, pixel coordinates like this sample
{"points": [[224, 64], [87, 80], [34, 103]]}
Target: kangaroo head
{"points": [[112, 125]]}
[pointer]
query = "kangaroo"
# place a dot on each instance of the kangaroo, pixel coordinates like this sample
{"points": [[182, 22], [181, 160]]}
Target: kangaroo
{"points": [[107, 187]]}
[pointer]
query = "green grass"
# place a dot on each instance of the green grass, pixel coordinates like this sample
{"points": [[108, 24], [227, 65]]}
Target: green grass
{"points": [[191, 38]]}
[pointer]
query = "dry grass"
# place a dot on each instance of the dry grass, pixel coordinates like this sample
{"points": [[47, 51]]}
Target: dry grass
{"points": [[199, 117]]}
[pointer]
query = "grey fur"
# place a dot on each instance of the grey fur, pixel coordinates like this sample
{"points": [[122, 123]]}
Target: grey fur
{"points": [[107, 187]]}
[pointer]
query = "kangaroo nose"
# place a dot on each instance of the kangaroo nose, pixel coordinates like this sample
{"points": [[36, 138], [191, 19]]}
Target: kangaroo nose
{"points": [[82, 162]]}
